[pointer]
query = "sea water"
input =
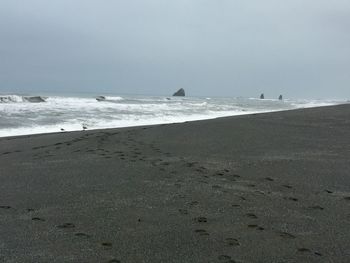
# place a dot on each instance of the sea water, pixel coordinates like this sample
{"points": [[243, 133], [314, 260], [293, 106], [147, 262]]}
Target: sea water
{"points": [[20, 116]]}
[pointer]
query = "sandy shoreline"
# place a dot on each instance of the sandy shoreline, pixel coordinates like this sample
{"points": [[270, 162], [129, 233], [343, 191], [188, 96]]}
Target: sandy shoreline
{"points": [[270, 187]]}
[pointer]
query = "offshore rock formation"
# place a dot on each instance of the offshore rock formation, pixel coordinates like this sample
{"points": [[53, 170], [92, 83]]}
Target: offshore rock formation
{"points": [[100, 98], [262, 96], [34, 99], [180, 92]]}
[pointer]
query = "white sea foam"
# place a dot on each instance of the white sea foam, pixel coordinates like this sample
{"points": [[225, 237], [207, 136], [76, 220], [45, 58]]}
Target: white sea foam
{"points": [[20, 117], [11, 99]]}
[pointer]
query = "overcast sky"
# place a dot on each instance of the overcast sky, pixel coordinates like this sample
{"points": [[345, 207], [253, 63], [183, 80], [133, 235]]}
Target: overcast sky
{"points": [[298, 48]]}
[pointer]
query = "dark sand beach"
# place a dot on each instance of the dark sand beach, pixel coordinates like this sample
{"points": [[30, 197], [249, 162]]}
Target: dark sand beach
{"points": [[271, 187]]}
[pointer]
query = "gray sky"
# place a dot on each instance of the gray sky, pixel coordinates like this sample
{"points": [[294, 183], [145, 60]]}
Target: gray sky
{"points": [[298, 48]]}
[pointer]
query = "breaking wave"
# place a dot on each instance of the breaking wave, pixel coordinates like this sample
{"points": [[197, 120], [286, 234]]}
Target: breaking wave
{"points": [[22, 115], [21, 99]]}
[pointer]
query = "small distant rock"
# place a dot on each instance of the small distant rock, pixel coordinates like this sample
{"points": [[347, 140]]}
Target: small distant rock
{"points": [[100, 98], [180, 92], [34, 99], [280, 97], [262, 96]]}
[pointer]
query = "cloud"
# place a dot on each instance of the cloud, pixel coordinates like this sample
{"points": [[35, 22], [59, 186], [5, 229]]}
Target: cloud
{"points": [[229, 48]]}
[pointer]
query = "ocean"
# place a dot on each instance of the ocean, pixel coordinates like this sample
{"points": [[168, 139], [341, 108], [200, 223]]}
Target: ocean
{"points": [[23, 115]]}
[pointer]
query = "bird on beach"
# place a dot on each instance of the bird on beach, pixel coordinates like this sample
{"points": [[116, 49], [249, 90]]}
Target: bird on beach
{"points": [[62, 129], [84, 127]]}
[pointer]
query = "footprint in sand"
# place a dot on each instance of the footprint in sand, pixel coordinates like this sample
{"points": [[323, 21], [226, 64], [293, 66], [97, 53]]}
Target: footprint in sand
{"points": [[66, 225], [231, 179], [114, 261], [193, 203], [242, 198], [38, 219], [260, 192], [303, 249], [316, 207], [226, 259], [232, 242], [201, 219], [80, 234], [201, 232], [5, 207], [286, 235], [269, 179], [203, 182], [291, 199], [251, 215], [192, 164], [106, 245], [287, 186], [199, 170], [256, 227], [183, 211]]}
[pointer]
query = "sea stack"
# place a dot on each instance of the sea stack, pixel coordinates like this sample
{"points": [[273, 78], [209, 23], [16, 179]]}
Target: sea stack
{"points": [[262, 96], [280, 97], [180, 92]]}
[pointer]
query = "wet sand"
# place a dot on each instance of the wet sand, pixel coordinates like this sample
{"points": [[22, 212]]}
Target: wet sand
{"points": [[270, 187]]}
